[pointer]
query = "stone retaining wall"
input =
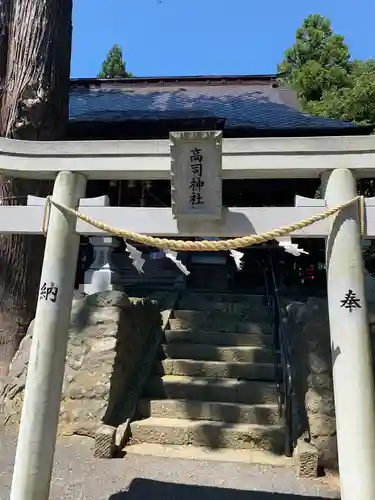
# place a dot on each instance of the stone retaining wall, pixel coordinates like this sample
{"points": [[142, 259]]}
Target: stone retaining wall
{"points": [[108, 334], [307, 325], [314, 412]]}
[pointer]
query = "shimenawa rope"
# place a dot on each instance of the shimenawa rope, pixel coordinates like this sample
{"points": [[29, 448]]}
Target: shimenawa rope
{"points": [[205, 245]]}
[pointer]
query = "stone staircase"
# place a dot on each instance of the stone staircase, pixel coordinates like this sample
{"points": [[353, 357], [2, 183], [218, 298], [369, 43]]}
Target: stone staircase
{"points": [[214, 384]]}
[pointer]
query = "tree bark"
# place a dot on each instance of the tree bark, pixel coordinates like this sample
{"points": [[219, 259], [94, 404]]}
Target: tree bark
{"points": [[34, 106], [4, 29]]}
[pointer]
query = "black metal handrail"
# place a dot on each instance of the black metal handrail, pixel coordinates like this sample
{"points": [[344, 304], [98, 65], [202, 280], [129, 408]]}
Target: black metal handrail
{"points": [[282, 351]]}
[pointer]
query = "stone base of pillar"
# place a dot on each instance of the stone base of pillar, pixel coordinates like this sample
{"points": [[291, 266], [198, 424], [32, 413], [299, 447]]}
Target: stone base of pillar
{"points": [[305, 458]]}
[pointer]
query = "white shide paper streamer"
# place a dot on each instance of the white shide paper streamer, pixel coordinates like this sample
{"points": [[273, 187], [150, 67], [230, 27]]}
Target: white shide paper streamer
{"points": [[235, 254], [173, 257], [161, 254], [292, 248], [237, 257], [136, 257], [138, 260]]}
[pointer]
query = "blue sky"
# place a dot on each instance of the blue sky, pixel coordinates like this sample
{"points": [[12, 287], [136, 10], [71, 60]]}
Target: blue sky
{"points": [[207, 37]]}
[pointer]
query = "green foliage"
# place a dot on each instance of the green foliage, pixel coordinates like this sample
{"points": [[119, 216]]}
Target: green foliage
{"points": [[356, 101], [114, 66], [327, 82], [318, 60]]}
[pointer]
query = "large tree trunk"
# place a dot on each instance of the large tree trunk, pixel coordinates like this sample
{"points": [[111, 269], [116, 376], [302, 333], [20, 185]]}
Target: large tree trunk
{"points": [[4, 28], [34, 106]]}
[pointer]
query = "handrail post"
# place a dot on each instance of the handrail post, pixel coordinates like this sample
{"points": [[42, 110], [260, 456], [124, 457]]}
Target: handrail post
{"points": [[281, 345], [277, 320]]}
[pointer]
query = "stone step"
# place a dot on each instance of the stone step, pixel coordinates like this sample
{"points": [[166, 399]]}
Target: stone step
{"points": [[197, 304], [144, 279], [218, 320], [204, 454], [150, 272], [216, 369], [207, 352], [221, 297], [214, 280], [249, 327], [215, 411], [171, 431], [218, 338], [232, 307], [227, 390]]}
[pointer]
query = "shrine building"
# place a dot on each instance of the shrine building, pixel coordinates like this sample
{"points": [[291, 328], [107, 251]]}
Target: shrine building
{"points": [[250, 106]]}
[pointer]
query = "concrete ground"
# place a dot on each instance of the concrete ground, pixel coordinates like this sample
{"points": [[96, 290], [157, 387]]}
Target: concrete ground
{"points": [[78, 476]]}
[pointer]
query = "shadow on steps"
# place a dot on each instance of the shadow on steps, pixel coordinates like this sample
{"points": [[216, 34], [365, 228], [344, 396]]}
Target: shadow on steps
{"points": [[141, 489]]}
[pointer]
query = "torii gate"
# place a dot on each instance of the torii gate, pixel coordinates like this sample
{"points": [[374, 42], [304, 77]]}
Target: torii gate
{"points": [[338, 160]]}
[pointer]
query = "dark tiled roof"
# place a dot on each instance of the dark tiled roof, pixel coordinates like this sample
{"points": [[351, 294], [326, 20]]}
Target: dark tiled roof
{"points": [[242, 104]]}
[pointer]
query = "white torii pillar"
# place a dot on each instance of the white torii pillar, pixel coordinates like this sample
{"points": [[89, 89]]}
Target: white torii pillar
{"points": [[350, 343], [41, 405]]}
